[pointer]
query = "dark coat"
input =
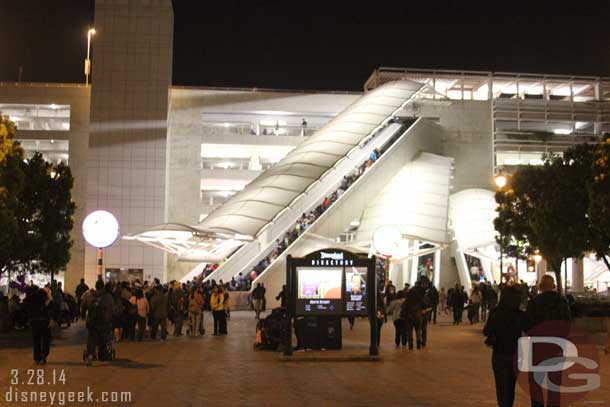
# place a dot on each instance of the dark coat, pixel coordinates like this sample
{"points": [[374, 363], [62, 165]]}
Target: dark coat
{"points": [[548, 306], [158, 305], [505, 326]]}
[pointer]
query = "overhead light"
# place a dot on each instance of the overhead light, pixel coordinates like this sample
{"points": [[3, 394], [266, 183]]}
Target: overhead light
{"points": [[271, 123], [354, 223], [562, 131], [225, 165]]}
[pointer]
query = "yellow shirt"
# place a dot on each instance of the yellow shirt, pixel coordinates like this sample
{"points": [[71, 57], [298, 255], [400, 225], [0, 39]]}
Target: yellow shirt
{"points": [[217, 302]]}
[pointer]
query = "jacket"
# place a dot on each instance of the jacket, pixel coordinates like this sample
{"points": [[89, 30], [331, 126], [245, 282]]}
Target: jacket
{"points": [[217, 302], [38, 308], [505, 327], [195, 303], [158, 306], [395, 308], [548, 306], [412, 306]]}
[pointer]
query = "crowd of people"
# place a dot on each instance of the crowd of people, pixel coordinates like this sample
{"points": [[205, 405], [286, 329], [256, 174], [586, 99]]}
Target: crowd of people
{"points": [[114, 312], [14, 312], [509, 320], [411, 310]]}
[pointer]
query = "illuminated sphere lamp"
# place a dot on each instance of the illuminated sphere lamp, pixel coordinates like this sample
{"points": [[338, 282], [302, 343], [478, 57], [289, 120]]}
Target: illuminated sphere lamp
{"points": [[100, 229], [387, 240], [500, 180]]}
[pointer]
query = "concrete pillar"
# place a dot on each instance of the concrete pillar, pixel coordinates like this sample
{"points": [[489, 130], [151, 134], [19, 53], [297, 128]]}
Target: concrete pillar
{"points": [[437, 269], [131, 76], [578, 275], [414, 263]]}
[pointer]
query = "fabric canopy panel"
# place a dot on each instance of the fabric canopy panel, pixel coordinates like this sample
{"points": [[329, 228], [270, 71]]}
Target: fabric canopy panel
{"points": [[248, 211], [415, 202], [187, 241], [472, 213]]}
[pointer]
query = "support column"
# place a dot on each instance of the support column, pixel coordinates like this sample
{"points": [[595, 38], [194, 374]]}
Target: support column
{"points": [[437, 269], [578, 275], [414, 263], [405, 273]]}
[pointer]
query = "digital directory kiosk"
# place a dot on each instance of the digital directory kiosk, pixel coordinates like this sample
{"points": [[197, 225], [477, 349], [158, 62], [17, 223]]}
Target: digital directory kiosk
{"points": [[325, 286]]}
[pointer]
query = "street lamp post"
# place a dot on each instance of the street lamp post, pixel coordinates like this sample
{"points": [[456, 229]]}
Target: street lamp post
{"points": [[501, 182], [100, 230], [90, 32]]}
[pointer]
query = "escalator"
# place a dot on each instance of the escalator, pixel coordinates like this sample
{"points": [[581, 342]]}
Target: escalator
{"points": [[402, 146], [271, 205]]}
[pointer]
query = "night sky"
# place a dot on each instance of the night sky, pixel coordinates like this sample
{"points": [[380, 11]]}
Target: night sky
{"points": [[331, 45]]}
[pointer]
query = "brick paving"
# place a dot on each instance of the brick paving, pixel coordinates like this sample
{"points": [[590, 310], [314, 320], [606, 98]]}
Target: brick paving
{"points": [[454, 370]]}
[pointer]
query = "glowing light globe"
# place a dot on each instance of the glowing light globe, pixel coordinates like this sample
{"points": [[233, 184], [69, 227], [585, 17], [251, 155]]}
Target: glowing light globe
{"points": [[100, 229], [387, 240]]}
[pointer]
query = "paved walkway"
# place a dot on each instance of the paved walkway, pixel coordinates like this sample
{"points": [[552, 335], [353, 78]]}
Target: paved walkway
{"points": [[454, 370]]}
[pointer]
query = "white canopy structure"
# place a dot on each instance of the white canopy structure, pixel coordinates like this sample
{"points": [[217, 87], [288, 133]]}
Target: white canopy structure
{"points": [[250, 210], [471, 216], [245, 215], [415, 202], [188, 241]]}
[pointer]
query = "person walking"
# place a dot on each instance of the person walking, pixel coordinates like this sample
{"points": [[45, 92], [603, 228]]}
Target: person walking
{"points": [[159, 311], [143, 311], [217, 305], [81, 288], [503, 329], [442, 298], [458, 298], [222, 312], [258, 294], [475, 298], [551, 309], [39, 307], [283, 296], [411, 312], [394, 309], [178, 308], [484, 292], [195, 311], [99, 318]]}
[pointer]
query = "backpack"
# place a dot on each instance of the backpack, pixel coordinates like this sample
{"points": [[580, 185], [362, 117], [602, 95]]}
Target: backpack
{"points": [[95, 311]]}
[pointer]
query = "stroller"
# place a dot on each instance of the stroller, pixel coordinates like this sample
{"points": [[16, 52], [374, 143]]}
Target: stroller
{"points": [[272, 331]]}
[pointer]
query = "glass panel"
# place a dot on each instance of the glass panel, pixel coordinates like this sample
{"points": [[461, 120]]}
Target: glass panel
{"points": [[30, 117]]}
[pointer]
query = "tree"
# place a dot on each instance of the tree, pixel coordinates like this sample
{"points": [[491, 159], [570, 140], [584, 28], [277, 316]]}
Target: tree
{"points": [[12, 180], [544, 208], [47, 214], [598, 189], [36, 209]]}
